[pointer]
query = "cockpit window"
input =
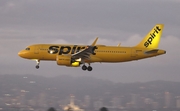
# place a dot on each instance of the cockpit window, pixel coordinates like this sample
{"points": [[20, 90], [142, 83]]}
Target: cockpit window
{"points": [[27, 49]]}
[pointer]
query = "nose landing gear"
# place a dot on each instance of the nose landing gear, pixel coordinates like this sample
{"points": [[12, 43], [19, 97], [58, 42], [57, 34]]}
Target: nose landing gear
{"points": [[38, 62]]}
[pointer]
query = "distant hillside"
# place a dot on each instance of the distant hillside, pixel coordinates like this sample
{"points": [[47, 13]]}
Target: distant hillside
{"points": [[63, 86]]}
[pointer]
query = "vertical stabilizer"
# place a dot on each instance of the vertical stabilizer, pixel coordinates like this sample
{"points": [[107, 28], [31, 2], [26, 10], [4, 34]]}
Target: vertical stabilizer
{"points": [[151, 40]]}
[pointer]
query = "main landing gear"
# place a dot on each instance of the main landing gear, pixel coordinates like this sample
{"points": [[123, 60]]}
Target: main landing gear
{"points": [[38, 62], [89, 68]]}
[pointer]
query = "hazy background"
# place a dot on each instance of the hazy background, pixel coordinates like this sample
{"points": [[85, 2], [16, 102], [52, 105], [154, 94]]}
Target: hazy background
{"points": [[26, 22]]}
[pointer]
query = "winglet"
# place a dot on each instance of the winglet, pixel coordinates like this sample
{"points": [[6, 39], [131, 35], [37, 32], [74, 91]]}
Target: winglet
{"points": [[151, 40], [94, 43], [119, 45]]}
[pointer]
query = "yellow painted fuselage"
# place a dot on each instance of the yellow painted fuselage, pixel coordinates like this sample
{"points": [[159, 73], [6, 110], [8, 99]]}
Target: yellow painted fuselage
{"points": [[102, 53], [75, 55]]}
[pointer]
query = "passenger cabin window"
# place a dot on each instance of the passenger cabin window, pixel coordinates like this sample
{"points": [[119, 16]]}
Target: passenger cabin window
{"points": [[27, 49]]}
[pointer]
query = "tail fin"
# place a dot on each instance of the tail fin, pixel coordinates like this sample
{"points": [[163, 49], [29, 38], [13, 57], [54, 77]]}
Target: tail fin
{"points": [[151, 40]]}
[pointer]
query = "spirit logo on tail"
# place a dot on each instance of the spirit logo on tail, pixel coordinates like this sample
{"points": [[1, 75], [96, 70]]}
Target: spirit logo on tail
{"points": [[152, 36]]}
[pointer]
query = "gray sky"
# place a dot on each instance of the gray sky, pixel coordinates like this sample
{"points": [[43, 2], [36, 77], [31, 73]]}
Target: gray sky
{"points": [[26, 22]]}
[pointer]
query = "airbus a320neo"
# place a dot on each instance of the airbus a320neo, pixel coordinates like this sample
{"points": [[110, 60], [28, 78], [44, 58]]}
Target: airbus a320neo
{"points": [[84, 55]]}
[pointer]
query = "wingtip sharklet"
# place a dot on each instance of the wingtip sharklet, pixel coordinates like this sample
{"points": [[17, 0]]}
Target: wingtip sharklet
{"points": [[94, 43], [119, 45]]}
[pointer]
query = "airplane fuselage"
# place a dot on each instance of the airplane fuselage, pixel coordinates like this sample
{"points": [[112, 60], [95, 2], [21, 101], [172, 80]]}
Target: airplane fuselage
{"points": [[75, 55], [101, 53]]}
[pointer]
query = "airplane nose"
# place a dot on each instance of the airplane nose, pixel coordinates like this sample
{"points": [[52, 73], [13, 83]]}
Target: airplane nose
{"points": [[21, 54]]}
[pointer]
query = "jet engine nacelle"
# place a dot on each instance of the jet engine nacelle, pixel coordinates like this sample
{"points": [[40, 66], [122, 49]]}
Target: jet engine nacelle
{"points": [[67, 61]]}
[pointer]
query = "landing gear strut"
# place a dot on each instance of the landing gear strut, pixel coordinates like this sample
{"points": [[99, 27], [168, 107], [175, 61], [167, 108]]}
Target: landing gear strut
{"points": [[38, 62], [89, 68]]}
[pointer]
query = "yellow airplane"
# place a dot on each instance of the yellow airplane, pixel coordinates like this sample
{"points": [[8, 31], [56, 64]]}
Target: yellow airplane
{"points": [[77, 55]]}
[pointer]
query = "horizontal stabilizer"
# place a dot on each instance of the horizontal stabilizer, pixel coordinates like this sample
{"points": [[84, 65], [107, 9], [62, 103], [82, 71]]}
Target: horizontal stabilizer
{"points": [[152, 51]]}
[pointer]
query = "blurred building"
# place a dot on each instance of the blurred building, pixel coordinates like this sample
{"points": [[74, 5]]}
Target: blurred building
{"points": [[135, 100], [178, 102], [116, 102], [87, 101], [98, 104], [42, 97], [155, 105], [167, 99], [148, 103], [72, 106]]}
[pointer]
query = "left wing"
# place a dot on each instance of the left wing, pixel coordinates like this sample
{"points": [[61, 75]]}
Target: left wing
{"points": [[85, 53]]}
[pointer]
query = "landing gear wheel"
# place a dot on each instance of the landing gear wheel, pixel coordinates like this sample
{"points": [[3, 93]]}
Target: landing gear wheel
{"points": [[37, 67], [89, 68], [38, 62], [84, 67]]}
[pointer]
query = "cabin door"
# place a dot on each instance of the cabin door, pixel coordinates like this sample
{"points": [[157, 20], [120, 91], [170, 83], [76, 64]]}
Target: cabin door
{"points": [[36, 49]]}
